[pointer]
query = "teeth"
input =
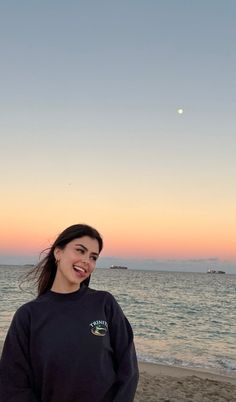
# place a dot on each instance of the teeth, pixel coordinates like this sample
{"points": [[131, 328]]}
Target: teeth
{"points": [[79, 268]]}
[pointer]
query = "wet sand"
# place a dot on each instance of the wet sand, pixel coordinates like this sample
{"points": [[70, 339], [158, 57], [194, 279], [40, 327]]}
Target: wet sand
{"points": [[159, 383]]}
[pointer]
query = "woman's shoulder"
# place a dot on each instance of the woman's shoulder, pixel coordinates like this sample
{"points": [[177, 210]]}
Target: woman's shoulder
{"points": [[25, 308], [108, 297], [22, 316], [100, 294]]}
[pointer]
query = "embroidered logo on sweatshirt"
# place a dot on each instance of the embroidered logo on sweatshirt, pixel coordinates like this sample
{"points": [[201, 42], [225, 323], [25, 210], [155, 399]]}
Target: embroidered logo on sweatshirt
{"points": [[99, 327]]}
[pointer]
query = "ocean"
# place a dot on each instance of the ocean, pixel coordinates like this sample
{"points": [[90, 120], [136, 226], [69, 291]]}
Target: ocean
{"points": [[181, 319]]}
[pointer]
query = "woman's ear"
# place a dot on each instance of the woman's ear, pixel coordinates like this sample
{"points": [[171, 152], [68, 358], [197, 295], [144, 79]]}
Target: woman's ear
{"points": [[57, 253]]}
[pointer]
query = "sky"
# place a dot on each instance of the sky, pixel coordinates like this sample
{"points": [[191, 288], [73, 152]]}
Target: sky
{"points": [[90, 129]]}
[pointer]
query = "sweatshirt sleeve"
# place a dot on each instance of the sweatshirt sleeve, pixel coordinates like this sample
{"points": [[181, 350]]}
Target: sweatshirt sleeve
{"points": [[15, 371], [126, 365]]}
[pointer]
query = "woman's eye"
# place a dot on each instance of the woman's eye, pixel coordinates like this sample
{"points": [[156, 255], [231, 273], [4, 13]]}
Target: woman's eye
{"points": [[80, 250], [94, 258]]}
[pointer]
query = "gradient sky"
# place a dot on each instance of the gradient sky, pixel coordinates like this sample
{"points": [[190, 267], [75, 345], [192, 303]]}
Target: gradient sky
{"points": [[90, 130]]}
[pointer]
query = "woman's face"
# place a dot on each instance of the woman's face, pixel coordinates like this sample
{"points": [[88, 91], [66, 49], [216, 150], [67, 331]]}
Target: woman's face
{"points": [[75, 262]]}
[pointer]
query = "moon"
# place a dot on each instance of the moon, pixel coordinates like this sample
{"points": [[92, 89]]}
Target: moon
{"points": [[180, 111]]}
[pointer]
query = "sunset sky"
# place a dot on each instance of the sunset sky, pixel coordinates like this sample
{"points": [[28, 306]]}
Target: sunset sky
{"points": [[90, 129]]}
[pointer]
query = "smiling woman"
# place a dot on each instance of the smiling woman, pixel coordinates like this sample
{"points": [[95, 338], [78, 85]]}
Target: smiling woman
{"points": [[70, 333], [75, 263]]}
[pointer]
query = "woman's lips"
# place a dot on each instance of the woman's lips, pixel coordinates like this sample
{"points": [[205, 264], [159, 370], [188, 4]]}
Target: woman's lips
{"points": [[79, 270]]}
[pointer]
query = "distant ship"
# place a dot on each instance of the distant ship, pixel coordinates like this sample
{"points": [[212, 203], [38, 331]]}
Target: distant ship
{"points": [[118, 267], [214, 271]]}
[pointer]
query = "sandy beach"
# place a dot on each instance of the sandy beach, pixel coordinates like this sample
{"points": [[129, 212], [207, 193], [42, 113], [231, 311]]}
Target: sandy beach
{"points": [[159, 383]]}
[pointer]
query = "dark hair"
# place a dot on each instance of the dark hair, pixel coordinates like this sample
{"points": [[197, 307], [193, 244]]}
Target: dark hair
{"points": [[45, 271]]}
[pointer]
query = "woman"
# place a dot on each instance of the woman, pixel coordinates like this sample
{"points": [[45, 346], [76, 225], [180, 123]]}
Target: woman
{"points": [[72, 343]]}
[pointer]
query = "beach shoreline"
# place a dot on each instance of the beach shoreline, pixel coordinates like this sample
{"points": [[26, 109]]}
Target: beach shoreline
{"points": [[178, 372], [161, 383]]}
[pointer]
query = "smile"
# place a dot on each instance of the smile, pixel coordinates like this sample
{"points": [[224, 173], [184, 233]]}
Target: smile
{"points": [[79, 269]]}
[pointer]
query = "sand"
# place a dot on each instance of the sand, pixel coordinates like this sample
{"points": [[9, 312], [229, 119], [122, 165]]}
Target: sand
{"points": [[159, 383]]}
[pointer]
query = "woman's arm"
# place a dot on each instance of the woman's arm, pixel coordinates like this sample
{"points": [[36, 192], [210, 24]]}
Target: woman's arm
{"points": [[126, 365], [15, 370]]}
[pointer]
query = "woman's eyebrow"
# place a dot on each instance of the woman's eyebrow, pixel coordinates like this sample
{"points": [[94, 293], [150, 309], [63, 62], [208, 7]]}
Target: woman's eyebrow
{"points": [[85, 248]]}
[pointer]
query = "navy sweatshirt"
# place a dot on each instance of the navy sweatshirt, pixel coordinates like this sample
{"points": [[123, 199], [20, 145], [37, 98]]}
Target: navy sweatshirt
{"points": [[75, 347]]}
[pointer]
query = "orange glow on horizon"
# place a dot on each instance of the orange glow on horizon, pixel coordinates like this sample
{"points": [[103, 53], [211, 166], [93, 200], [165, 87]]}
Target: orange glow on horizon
{"points": [[183, 248], [166, 231]]}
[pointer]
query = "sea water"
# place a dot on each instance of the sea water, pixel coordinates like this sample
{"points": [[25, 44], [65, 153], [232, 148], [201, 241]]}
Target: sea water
{"points": [[181, 319]]}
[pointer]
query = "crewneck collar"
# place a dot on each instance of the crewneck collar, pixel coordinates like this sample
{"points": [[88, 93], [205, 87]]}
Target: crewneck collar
{"points": [[66, 296]]}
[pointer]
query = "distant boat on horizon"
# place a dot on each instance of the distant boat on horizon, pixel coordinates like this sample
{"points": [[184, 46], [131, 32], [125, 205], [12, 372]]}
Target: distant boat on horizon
{"points": [[214, 271], [118, 267]]}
